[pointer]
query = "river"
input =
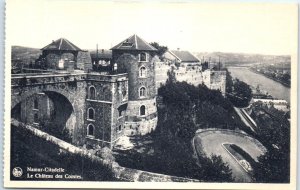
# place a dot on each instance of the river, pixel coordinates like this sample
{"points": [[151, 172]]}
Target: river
{"points": [[274, 88]]}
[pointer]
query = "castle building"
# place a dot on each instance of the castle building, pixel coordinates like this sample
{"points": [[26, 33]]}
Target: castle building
{"points": [[62, 55], [101, 57], [188, 68], [94, 108], [184, 58], [97, 107], [137, 58]]}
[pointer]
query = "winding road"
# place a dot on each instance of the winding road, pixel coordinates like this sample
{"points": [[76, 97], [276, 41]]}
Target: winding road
{"points": [[210, 142]]}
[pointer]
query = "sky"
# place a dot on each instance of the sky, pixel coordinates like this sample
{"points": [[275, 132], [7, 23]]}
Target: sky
{"points": [[263, 28]]}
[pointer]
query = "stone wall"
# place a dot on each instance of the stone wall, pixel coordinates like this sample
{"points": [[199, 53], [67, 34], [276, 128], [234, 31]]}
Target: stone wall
{"points": [[133, 109], [189, 74], [52, 60], [161, 73], [192, 74], [215, 80], [84, 60], [119, 172], [43, 110]]}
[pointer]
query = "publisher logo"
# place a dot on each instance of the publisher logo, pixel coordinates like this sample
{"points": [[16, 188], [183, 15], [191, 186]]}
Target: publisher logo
{"points": [[17, 172]]}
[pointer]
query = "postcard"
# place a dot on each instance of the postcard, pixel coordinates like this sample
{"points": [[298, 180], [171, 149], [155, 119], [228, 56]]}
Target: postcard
{"points": [[138, 94]]}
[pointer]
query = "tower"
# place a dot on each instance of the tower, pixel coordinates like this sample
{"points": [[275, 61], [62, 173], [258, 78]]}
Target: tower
{"points": [[137, 58]]}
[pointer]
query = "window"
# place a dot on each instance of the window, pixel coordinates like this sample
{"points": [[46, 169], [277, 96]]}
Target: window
{"points": [[35, 118], [91, 113], [142, 92], [92, 92], [35, 104], [119, 128], [143, 57], [61, 64], [120, 113], [143, 72], [127, 44], [142, 110], [90, 130], [124, 92]]}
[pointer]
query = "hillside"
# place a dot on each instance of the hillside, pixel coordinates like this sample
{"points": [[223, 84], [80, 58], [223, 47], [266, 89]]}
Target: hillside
{"points": [[23, 55], [26, 55], [234, 59]]}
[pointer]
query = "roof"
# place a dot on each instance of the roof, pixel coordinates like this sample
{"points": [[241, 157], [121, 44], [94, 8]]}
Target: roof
{"points": [[134, 42], [61, 44], [102, 54], [184, 56]]}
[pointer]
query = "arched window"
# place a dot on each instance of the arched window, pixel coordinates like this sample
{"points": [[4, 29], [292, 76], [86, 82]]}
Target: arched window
{"points": [[142, 92], [143, 72], [35, 104], [143, 57], [92, 92], [91, 113], [142, 110], [90, 130]]}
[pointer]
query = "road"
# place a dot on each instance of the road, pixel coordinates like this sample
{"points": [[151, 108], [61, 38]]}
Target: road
{"points": [[212, 144], [245, 118]]}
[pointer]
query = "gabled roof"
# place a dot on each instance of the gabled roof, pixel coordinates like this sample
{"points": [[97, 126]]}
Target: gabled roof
{"points": [[184, 56], [62, 44], [134, 42], [102, 54]]}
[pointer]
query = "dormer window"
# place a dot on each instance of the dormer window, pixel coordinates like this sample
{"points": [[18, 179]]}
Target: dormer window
{"points": [[127, 44], [143, 57]]}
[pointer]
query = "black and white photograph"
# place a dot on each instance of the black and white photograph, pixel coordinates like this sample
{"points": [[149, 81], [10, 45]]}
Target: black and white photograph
{"points": [[198, 94]]}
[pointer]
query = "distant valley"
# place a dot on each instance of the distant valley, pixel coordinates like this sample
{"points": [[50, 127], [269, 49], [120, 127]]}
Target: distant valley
{"points": [[26, 55], [243, 59]]}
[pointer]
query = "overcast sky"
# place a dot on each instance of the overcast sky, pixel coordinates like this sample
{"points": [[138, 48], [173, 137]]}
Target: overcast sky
{"points": [[197, 27]]}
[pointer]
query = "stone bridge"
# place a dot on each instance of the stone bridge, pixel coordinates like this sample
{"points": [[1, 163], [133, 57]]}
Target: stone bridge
{"points": [[59, 103], [67, 92]]}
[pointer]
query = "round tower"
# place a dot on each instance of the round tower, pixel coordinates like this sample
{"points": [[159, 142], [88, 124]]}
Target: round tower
{"points": [[137, 58]]}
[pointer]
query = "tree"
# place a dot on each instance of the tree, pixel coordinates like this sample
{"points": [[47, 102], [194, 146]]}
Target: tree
{"points": [[161, 49], [273, 167], [211, 168], [229, 83], [178, 123], [241, 94], [274, 133], [171, 76]]}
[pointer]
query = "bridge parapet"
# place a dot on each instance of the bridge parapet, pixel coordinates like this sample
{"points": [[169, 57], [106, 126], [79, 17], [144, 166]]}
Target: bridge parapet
{"points": [[28, 80], [107, 77]]}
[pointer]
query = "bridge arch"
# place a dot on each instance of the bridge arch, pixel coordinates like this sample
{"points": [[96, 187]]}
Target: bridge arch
{"points": [[51, 111]]}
